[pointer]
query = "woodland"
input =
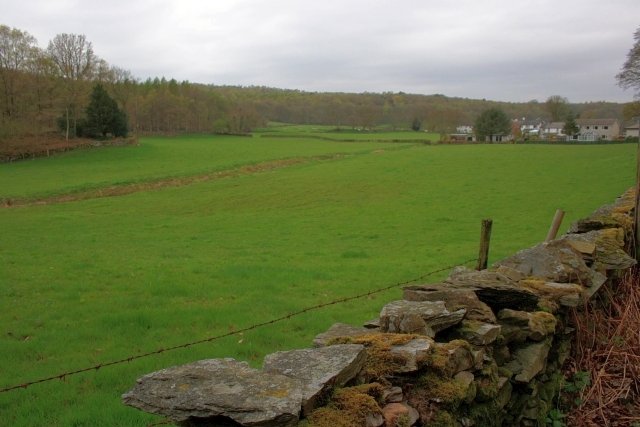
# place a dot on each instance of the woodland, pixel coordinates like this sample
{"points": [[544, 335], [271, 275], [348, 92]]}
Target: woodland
{"points": [[46, 91]]}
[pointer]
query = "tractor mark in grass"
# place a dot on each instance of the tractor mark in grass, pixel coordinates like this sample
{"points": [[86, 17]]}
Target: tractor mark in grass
{"points": [[124, 189]]}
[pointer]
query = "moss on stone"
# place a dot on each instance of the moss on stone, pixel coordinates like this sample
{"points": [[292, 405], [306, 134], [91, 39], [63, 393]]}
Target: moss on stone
{"points": [[403, 421], [442, 360], [486, 414], [504, 372], [443, 419], [545, 321], [380, 361], [445, 391], [348, 407]]}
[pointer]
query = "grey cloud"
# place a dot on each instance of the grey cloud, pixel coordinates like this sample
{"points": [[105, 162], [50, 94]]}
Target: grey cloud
{"points": [[493, 49]]}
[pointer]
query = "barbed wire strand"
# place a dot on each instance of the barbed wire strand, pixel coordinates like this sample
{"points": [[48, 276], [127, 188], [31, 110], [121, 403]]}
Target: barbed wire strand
{"points": [[64, 375]]}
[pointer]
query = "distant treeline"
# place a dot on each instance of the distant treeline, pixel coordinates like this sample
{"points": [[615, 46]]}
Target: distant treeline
{"points": [[46, 90]]}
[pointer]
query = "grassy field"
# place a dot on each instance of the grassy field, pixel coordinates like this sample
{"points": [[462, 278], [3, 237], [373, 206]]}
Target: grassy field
{"points": [[91, 281]]}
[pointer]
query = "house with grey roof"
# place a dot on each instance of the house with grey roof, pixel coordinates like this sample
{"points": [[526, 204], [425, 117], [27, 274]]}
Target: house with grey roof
{"points": [[632, 128], [598, 129], [553, 129]]}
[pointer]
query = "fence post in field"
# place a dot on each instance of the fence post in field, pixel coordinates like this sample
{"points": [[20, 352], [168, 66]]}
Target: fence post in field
{"points": [[485, 239], [555, 225]]}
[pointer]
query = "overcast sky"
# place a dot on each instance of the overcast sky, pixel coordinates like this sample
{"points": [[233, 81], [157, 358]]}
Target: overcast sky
{"points": [[495, 49]]}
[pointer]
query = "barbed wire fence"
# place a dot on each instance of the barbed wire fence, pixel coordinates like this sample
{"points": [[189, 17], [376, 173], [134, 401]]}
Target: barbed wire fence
{"points": [[62, 376]]}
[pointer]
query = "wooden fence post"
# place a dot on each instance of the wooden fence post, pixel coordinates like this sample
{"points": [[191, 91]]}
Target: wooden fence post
{"points": [[485, 239], [555, 225]]}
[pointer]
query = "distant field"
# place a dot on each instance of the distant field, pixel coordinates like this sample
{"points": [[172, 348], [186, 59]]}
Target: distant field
{"points": [[154, 158], [90, 281], [345, 133]]}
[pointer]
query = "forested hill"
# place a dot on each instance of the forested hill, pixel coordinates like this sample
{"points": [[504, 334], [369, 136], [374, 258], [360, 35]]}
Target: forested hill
{"points": [[42, 88]]}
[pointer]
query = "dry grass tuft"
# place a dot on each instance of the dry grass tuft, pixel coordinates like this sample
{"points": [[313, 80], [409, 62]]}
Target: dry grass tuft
{"points": [[607, 347]]}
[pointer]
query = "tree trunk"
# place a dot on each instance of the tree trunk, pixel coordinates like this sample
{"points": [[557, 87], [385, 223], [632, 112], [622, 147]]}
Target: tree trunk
{"points": [[67, 134]]}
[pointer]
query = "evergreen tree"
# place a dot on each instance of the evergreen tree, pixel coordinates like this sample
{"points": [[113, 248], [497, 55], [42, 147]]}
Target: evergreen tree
{"points": [[570, 127], [492, 122], [103, 115]]}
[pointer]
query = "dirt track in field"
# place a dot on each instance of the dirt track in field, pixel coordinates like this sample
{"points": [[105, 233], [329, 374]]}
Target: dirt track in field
{"points": [[123, 189]]}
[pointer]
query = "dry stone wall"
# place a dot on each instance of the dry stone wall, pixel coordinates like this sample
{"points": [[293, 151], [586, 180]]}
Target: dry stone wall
{"points": [[481, 348]]}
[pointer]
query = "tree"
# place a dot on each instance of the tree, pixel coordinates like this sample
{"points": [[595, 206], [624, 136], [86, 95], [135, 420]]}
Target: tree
{"points": [[570, 127], [103, 115], [73, 56], [629, 76], [17, 50], [416, 124], [492, 122], [631, 110], [557, 107]]}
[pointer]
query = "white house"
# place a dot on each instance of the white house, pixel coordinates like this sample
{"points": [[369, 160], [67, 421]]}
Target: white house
{"points": [[530, 127], [464, 129], [553, 129]]}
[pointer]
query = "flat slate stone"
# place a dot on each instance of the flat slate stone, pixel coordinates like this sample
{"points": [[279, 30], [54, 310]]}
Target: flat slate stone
{"points": [[454, 299], [529, 361], [219, 389], [418, 317], [608, 247], [318, 369], [478, 333], [495, 289], [339, 330], [555, 261]]}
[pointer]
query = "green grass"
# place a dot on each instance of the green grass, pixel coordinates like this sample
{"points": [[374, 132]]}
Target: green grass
{"points": [[332, 133], [155, 158], [88, 282]]}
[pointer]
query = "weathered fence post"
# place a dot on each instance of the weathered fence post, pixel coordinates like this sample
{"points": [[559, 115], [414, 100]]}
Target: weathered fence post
{"points": [[555, 225], [485, 239]]}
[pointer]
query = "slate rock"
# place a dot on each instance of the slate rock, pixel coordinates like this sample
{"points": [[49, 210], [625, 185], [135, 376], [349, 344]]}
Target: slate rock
{"points": [[392, 395], [454, 299], [466, 380], [478, 333], [453, 357], [393, 411], [519, 326], [412, 355], [565, 294], [219, 389], [339, 330], [496, 288], [609, 251], [616, 215], [372, 324], [418, 317], [318, 369], [374, 420], [529, 361], [467, 276], [555, 261]]}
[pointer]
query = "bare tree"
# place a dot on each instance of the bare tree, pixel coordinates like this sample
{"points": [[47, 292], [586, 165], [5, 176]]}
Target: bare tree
{"points": [[629, 76], [17, 50], [558, 107], [75, 61]]}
